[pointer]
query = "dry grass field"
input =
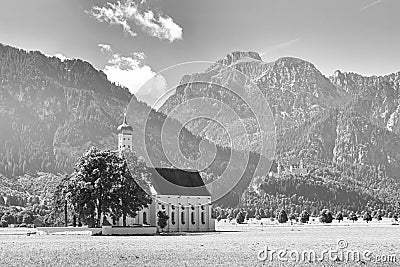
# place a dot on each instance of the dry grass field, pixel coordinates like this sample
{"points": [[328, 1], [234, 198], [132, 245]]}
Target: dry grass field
{"points": [[231, 245]]}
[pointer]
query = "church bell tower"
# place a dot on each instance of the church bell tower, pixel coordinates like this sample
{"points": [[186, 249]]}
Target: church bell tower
{"points": [[125, 134]]}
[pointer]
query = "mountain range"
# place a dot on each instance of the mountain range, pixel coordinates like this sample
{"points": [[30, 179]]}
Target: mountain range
{"points": [[345, 119], [51, 111]]}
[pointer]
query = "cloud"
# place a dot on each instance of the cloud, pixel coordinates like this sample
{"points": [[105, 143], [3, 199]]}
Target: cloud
{"points": [[280, 46], [370, 5], [105, 48], [60, 56], [131, 72], [128, 14]]}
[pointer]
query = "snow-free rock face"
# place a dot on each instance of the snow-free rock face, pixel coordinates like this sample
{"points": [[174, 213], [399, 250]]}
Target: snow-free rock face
{"points": [[344, 119], [295, 91], [226, 82], [377, 97], [239, 56]]}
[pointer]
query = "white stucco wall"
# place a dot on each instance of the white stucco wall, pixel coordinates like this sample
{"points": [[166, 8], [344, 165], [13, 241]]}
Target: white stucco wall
{"points": [[173, 206]]}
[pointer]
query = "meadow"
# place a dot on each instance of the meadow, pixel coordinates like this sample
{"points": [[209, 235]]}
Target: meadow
{"points": [[230, 245]]}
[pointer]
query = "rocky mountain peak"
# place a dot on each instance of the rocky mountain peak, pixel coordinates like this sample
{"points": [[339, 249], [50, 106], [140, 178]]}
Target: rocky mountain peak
{"points": [[337, 74], [295, 75], [240, 56], [295, 65]]}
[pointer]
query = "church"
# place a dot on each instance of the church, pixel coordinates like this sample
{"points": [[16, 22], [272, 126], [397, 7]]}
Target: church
{"points": [[181, 194]]}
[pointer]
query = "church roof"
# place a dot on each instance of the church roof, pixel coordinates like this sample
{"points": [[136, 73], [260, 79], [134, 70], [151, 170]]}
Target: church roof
{"points": [[168, 181], [125, 126]]}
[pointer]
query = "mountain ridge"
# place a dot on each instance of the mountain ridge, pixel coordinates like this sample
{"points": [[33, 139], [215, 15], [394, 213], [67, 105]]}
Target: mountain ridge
{"points": [[53, 110], [298, 94]]}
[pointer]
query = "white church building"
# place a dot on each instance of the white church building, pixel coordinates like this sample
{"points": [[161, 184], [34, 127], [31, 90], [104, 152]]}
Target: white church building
{"points": [[180, 193]]}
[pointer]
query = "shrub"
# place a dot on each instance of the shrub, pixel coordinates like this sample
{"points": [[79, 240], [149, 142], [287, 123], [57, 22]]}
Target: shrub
{"points": [[3, 223], [74, 220], [162, 219], [262, 213], [240, 217], [339, 216], [28, 218], [282, 216], [325, 216], [374, 213], [367, 217], [304, 216], [353, 217], [9, 218]]}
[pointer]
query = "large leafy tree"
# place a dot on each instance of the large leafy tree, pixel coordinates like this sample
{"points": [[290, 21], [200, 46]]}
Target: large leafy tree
{"points": [[131, 193], [103, 185], [60, 203]]}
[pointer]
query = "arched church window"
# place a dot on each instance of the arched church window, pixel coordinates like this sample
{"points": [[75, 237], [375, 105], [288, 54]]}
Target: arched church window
{"points": [[183, 217], [173, 217], [203, 221], [192, 217], [202, 207], [144, 218]]}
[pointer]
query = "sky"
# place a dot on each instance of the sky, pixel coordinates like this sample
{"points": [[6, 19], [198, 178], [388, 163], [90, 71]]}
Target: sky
{"points": [[133, 40]]}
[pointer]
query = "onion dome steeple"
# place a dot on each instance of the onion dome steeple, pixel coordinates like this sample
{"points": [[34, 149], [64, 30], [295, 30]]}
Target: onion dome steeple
{"points": [[125, 127]]}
